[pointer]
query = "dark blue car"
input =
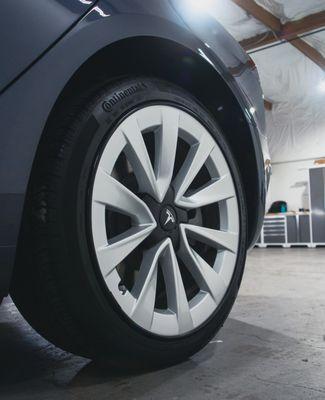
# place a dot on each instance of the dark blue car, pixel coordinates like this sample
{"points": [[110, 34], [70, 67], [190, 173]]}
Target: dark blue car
{"points": [[132, 173]]}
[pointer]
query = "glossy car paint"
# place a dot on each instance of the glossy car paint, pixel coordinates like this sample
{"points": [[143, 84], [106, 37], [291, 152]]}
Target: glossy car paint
{"points": [[35, 80], [27, 30]]}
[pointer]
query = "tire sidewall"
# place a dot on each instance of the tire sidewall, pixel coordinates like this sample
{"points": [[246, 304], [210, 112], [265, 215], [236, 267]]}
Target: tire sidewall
{"points": [[106, 326]]}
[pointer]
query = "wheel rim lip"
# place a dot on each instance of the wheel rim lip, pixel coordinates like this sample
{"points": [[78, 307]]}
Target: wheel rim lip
{"points": [[200, 302]]}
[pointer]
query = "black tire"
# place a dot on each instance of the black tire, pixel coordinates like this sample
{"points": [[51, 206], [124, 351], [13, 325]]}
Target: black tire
{"points": [[56, 284]]}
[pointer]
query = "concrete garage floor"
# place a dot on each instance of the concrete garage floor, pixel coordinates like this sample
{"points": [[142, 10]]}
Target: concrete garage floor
{"points": [[272, 346]]}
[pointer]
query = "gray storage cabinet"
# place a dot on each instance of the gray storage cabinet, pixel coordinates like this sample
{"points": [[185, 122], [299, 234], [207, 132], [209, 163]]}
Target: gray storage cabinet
{"points": [[317, 204], [306, 229], [286, 230]]}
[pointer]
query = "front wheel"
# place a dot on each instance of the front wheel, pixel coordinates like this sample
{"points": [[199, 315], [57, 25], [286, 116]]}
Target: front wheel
{"points": [[134, 237]]}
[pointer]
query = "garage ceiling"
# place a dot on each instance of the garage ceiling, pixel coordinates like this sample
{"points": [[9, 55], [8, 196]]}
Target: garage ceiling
{"points": [[291, 67]]}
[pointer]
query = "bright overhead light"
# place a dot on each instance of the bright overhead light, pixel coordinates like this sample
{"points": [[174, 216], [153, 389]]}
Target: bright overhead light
{"points": [[202, 5], [322, 86], [252, 110]]}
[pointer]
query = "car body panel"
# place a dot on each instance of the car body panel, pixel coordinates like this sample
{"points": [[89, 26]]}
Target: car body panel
{"points": [[27, 103], [27, 30]]}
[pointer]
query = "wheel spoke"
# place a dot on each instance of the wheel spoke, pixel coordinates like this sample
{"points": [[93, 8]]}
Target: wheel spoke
{"points": [[196, 158], [110, 192], [215, 191], [176, 295], [145, 286], [215, 238], [137, 153], [166, 144], [205, 276], [118, 248], [156, 187]]}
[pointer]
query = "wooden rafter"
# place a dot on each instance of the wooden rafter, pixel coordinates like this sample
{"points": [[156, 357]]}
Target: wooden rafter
{"points": [[301, 26], [268, 105], [260, 13], [288, 32], [309, 51], [260, 40]]}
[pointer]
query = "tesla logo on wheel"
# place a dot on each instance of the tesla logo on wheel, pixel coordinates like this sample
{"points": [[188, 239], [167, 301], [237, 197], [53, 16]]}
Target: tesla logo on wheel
{"points": [[170, 217]]}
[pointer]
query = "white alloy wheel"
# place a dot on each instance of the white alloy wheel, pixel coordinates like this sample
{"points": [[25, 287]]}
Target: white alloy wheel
{"points": [[166, 240]]}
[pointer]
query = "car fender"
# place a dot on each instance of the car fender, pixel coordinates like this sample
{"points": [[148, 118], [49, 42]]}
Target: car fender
{"points": [[26, 104], [29, 28]]}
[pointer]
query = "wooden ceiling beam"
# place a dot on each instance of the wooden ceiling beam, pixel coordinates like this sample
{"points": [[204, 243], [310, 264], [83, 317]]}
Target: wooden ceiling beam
{"points": [[288, 31], [301, 26], [261, 40], [260, 14], [268, 105], [309, 51]]}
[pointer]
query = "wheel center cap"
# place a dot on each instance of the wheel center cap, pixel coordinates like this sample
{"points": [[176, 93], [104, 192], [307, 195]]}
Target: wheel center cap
{"points": [[168, 218]]}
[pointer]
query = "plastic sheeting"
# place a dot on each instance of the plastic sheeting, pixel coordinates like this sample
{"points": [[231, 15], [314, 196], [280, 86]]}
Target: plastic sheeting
{"points": [[239, 24], [296, 124], [296, 132], [288, 10]]}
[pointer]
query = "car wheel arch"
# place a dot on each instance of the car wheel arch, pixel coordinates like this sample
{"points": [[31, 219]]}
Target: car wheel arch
{"points": [[182, 66]]}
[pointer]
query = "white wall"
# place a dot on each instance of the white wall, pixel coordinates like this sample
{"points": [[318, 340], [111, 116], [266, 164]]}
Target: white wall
{"points": [[290, 183]]}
